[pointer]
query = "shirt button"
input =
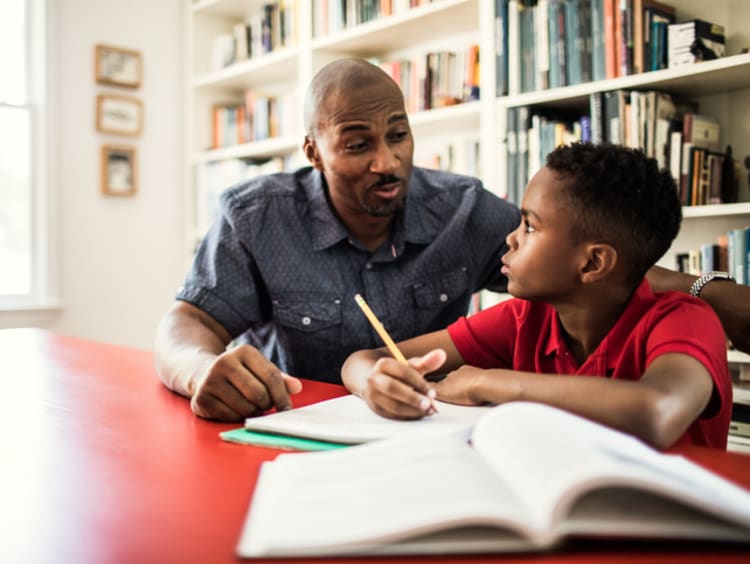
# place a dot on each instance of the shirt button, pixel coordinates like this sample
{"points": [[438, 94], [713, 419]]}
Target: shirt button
{"points": [[306, 321], [443, 297], [368, 266]]}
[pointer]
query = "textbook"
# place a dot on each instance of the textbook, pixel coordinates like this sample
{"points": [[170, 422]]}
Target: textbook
{"points": [[348, 420], [530, 477]]}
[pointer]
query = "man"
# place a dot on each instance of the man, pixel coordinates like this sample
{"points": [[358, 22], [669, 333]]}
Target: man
{"points": [[290, 251], [282, 264]]}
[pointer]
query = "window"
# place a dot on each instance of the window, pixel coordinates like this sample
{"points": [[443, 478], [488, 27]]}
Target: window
{"points": [[22, 220]]}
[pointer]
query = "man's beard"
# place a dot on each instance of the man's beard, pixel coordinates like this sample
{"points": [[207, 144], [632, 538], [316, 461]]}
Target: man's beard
{"points": [[384, 208]]}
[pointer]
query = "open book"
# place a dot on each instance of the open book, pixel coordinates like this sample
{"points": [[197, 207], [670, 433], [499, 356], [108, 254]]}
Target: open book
{"points": [[532, 476], [348, 420]]}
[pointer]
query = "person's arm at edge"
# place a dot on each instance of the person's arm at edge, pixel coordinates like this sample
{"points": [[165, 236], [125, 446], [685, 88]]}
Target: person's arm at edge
{"points": [[730, 301], [188, 341], [658, 409]]}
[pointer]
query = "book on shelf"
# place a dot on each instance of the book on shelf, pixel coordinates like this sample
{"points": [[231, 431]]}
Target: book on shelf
{"points": [[737, 256], [501, 47], [643, 14], [496, 493], [694, 40], [437, 78]]}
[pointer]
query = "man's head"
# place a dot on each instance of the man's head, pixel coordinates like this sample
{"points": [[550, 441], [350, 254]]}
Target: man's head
{"points": [[358, 136], [592, 211]]}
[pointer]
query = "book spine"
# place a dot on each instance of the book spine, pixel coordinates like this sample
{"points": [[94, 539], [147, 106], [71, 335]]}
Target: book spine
{"points": [[598, 62], [501, 47]]}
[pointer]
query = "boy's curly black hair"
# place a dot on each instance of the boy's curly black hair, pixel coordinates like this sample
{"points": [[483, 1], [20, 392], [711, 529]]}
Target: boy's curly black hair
{"points": [[619, 196]]}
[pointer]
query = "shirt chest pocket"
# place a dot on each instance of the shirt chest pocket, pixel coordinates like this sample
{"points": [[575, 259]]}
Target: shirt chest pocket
{"points": [[309, 323], [442, 289]]}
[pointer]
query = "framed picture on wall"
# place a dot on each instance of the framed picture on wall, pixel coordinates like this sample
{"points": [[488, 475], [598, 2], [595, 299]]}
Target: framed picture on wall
{"points": [[120, 115], [119, 170], [117, 66]]}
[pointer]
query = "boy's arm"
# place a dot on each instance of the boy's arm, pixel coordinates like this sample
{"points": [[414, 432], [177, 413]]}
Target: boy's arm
{"points": [[730, 301], [396, 390], [658, 409]]}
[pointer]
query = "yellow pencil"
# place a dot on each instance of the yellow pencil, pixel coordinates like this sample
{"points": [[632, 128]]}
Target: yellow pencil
{"points": [[375, 322]]}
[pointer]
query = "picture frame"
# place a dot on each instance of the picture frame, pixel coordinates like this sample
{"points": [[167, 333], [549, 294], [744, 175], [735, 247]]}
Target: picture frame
{"points": [[119, 115], [119, 170], [117, 66]]}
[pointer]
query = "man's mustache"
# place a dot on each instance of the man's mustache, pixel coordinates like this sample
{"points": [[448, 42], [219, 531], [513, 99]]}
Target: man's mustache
{"points": [[385, 180]]}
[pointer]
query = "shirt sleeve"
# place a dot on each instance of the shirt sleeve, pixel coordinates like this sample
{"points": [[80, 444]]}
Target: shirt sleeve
{"points": [[691, 327], [487, 338], [224, 281]]}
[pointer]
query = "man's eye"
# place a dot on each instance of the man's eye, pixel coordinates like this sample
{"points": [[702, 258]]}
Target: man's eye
{"points": [[398, 136], [356, 147]]}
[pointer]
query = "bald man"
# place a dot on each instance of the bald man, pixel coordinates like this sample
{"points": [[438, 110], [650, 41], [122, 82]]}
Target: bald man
{"points": [[277, 273]]}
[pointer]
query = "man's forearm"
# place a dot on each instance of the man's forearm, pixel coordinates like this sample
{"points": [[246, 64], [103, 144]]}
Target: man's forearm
{"points": [[730, 301], [185, 349]]}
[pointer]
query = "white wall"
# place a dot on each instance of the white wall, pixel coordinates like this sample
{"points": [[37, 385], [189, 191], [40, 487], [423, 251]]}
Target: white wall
{"points": [[120, 259]]}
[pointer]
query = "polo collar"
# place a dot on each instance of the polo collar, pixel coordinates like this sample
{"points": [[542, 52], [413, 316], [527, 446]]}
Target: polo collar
{"points": [[640, 302]]}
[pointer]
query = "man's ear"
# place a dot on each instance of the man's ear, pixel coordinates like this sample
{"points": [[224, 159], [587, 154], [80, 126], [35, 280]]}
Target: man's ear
{"points": [[601, 261], [311, 152]]}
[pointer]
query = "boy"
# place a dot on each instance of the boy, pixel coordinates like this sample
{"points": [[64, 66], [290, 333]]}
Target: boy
{"points": [[594, 220]]}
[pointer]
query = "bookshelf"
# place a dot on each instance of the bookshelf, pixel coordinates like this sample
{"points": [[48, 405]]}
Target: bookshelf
{"points": [[721, 88]]}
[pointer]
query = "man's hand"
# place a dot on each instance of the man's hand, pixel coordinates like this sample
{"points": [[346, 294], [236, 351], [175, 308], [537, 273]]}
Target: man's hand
{"points": [[400, 391], [242, 383]]}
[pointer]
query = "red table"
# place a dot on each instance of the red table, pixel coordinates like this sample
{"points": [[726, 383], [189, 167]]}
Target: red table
{"points": [[103, 464]]}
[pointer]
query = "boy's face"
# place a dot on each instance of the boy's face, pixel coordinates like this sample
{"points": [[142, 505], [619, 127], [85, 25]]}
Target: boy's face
{"points": [[543, 263], [364, 147]]}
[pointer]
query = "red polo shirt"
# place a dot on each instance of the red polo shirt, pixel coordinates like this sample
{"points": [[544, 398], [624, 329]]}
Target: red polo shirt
{"points": [[523, 335]]}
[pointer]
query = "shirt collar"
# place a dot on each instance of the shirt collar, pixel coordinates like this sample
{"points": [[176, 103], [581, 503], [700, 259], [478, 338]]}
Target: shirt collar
{"points": [[637, 305], [419, 222]]}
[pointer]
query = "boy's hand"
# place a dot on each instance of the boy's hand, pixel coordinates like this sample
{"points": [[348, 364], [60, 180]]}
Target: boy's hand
{"points": [[461, 386], [400, 391]]}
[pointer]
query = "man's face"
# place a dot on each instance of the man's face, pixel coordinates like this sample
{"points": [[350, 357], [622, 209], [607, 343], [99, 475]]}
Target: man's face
{"points": [[364, 147], [543, 262]]}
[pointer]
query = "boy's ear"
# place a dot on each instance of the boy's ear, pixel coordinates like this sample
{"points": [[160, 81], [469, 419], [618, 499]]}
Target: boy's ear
{"points": [[311, 152], [601, 260]]}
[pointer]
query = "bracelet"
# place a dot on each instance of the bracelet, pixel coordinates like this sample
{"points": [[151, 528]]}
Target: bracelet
{"points": [[697, 286]]}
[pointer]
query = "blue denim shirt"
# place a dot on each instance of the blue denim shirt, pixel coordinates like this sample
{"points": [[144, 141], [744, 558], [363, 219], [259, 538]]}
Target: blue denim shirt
{"points": [[279, 269]]}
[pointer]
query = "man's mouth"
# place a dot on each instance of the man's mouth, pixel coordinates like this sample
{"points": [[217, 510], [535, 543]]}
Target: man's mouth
{"points": [[387, 190]]}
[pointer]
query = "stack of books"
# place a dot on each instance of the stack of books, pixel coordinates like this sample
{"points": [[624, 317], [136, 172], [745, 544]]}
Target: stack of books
{"points": [[695, 40]]}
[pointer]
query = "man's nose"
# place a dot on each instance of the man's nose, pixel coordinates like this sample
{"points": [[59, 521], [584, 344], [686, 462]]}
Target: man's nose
{"points": [[385, 160]]}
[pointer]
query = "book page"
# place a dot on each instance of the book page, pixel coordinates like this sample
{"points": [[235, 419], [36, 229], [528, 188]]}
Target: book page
{"points": [[357, 499], [348, 419], [552, 458]]}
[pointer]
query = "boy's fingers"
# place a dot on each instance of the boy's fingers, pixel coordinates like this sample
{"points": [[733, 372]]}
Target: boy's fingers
{"points": [[429, 362]]}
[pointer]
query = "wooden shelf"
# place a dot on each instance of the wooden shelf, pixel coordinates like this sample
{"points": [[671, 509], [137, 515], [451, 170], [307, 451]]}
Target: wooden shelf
{"points": [[721, 75], [264, 149], [399, 31], [273, 67]]}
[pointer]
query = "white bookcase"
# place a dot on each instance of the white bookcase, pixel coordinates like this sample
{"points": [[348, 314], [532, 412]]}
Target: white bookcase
{"points": [[721, 87]]}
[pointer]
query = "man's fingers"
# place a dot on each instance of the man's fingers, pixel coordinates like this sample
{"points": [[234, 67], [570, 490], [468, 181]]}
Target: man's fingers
{"points": [[266, 384], [293, 385]]}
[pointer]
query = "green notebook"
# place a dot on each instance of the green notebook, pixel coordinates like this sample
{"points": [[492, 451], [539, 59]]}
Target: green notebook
{"points": [[244, 436]]}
